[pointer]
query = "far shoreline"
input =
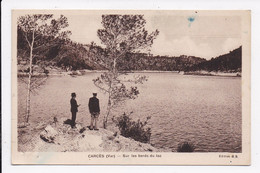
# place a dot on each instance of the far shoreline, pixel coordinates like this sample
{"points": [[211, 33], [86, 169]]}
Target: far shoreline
{"points": [[86, 71]]}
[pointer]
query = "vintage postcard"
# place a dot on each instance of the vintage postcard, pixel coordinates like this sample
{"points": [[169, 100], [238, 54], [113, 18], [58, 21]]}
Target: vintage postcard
{"points": [[132, 87]]}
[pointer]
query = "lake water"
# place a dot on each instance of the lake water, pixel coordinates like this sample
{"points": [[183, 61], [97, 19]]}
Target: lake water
{"points": [[203, 110]]}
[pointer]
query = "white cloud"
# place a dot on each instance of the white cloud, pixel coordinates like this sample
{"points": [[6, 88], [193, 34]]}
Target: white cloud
{"points": [[182, 46], [194, 46], [231, 43]]}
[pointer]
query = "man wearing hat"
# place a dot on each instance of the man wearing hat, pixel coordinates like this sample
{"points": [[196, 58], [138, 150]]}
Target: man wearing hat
{"points": [[73, 109], [94, 110]]}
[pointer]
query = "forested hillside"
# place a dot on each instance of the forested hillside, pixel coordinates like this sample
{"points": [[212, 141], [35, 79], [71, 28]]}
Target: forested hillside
{"points": [[70, 55], [62, 53], [141, 61], [230, 62]]}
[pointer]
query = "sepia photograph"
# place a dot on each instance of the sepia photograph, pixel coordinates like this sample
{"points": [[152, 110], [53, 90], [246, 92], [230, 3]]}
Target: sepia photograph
{"points": [[131, 87]]}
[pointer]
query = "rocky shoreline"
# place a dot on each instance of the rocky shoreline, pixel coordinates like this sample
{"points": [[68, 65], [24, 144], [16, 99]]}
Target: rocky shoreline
{"points": [[207, 73], [59, 72], [60, 137]]}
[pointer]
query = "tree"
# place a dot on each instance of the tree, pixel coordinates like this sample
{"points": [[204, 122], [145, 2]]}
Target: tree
{"points": [[97, 55], [71, 56], [121, 34], [40, 32]]}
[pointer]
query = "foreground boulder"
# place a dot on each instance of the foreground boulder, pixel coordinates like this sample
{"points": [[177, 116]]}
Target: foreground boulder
{"points": [[49, 134]]}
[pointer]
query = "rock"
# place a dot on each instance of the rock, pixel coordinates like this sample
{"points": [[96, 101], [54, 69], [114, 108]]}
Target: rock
{"points": [[78, 126], [40, 126], [111, 137], [82, 130], [76, 73], [49, 134], [23, 125], [90, 143]]}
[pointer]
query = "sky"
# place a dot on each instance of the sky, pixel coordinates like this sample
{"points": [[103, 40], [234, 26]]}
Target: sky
{"points": [[193, 35]]}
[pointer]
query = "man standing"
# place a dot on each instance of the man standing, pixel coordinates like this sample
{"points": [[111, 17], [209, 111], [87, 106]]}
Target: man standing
{"points": [[94, 111], [73, 109]]}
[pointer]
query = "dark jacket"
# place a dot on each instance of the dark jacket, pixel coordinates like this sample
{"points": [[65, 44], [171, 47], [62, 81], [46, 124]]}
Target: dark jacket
{"points": [[74, 105], [93, 105]]}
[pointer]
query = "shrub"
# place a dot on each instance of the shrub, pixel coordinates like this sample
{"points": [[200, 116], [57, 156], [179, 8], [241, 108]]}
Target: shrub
{"points": [[136, 130], [185, 147]]}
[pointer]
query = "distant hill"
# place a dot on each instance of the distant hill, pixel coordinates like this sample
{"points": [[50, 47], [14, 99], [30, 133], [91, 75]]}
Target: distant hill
{"points": [[230, 62], [141, 61], [70, 55]]}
